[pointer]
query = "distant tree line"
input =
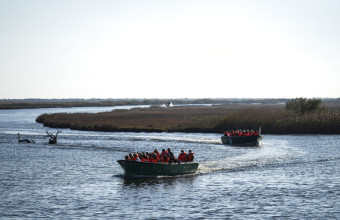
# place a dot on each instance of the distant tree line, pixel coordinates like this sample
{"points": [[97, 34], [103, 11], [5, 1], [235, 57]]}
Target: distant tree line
{"points": [[65, 103]]}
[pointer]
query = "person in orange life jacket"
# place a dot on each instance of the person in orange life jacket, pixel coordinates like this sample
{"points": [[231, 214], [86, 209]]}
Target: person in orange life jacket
{"points": [[181, 156], [165, 159], [156, 152], [135, 157], [144, 158], [150, 158], [190, 156], [154, 158], [163, 153]]}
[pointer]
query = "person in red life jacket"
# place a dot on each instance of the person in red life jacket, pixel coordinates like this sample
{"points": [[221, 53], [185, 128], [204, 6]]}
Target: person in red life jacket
{"points": [[156, 152], [132, 157], [127, 157], [142, 158], [163, 153], [165, 159], [150, 158], [190, 156], [154, 158], [135, 157], [181, 156]]}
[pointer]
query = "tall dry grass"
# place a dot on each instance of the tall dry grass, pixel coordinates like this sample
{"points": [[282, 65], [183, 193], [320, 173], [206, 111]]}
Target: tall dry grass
{"points": [[215, 119]]}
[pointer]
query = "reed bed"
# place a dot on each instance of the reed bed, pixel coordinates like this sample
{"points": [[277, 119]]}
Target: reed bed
{"points": [[273, 119]]}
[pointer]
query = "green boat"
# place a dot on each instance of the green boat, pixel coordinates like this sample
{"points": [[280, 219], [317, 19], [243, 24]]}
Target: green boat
{"points": [[157, 169], [242, 140]]}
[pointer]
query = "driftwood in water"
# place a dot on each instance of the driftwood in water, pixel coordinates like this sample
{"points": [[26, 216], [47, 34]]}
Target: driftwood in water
{"points": [[53, 138], [24, 140]]}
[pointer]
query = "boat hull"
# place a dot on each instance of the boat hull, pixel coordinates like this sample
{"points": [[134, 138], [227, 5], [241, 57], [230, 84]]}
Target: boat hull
{"points": [[157, 169], [242, 140]]}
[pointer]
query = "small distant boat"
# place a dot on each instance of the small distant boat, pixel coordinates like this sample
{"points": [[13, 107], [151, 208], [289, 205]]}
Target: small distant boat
{"points": [[242, 140], [247, 139], [157, 169]]}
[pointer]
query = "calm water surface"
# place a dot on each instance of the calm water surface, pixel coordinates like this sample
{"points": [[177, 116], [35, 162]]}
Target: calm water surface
{"points": [[288, 177]]}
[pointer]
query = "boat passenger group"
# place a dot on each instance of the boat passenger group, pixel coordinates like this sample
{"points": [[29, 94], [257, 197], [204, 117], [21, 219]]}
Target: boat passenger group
{"points": [[239, 132], [164, 156]]}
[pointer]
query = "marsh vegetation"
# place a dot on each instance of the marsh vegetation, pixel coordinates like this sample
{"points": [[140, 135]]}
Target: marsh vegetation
{"points": [[273, 118]]}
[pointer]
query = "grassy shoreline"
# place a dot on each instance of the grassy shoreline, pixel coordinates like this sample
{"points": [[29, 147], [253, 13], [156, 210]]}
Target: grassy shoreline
{"points": [[273, 119]]}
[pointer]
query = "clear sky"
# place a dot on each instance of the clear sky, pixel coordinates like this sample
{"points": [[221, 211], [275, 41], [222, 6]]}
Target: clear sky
{"points": [[169, 49]]}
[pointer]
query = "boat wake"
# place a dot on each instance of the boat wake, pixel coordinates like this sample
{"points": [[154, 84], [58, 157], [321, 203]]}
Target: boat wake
{"points": [[252, 157]]}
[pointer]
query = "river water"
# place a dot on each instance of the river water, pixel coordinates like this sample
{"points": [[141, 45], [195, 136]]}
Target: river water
{"points": [[288, 177]]}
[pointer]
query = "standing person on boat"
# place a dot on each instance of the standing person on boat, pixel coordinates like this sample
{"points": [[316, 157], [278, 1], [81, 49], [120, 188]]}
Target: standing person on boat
{"points": [[181, 156]]}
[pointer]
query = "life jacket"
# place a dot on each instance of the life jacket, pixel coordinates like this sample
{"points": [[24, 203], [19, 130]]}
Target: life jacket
{"points": [[163, 154], [181, 156], [165, 160], [134, 158], [191, 157], [154, 160]]}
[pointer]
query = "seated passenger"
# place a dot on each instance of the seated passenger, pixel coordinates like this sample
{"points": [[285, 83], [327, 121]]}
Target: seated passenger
{"points": [[181, 156], [135, 157], [150, 158], [190, 156], [163, 153], [142, 158], [156, 152], [165, 159], [155, 158], [172, 158], [186, 158]]}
